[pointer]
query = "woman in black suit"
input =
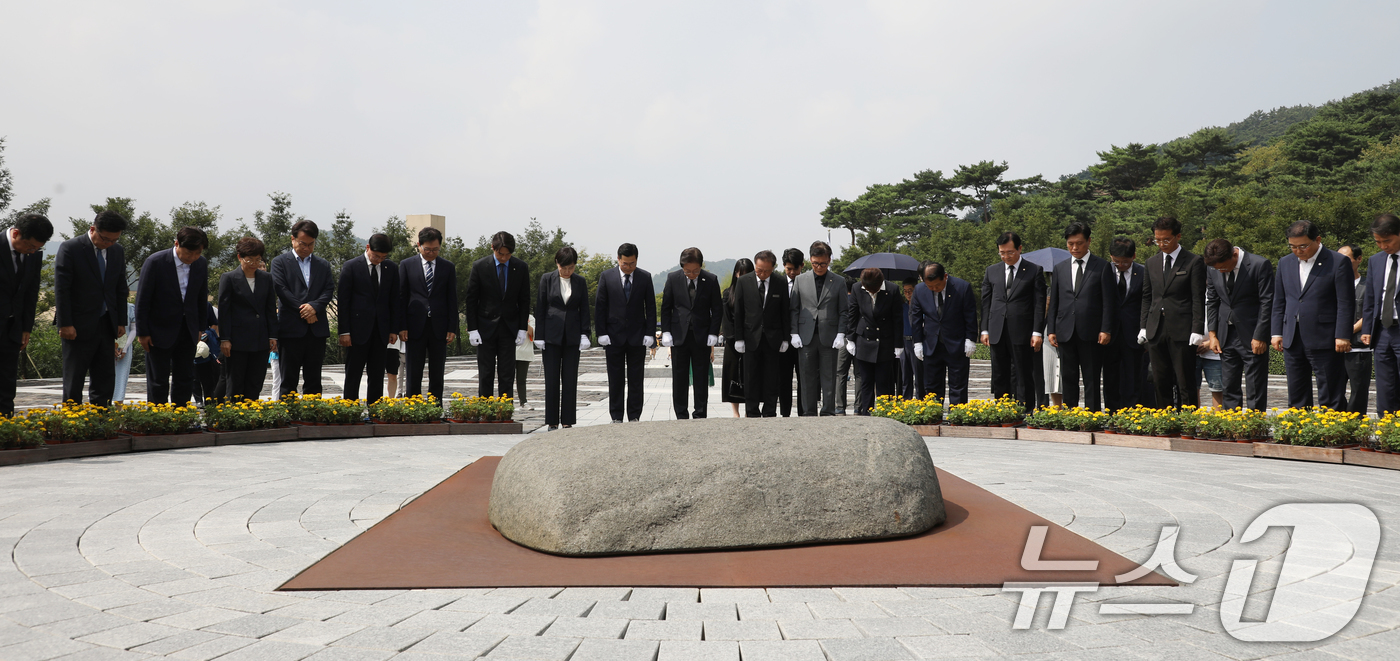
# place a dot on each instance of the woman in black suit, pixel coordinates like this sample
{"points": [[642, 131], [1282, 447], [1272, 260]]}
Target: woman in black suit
{"points": [[561, 333], [248, 307], [874, 335], [731, 372]]}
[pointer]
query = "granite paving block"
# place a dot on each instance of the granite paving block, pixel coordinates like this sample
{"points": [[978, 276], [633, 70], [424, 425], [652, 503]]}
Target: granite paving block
{"points": [[350, 654], [846, 610], [664, 594], [440, 620], [944, 647], [253, 626], [702, 611], [781, 650], [177, 642], [130, 636], [631, 610], [707, 650], [733, 595], [895, 627], [818, 629], [595, 594], [601, 649], [537, 648], [664, 630], [271, 650], [775, 611], [315, 633], [801, 595], [587, 627], [512, 624], [745, 630], [866, 649], [559, 607], [463, 644], [384, 638]]}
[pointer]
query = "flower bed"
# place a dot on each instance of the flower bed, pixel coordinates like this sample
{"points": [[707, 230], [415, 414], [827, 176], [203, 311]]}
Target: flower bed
{"points": [[246, 415], [415, 410], [20, 433], [147, 419], [1387, 434], [1066, 419], [1004, 412], [926, 411], [316, 410], [1142, 421], [462, 408], [1238, 425], [1320, 427], [72, 423]]}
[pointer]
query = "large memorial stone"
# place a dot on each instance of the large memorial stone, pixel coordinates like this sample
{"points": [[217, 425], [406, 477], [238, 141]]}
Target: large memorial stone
{"points": [[715, 484]]}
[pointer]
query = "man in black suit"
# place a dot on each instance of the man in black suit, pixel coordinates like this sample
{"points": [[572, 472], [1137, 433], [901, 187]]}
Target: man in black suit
{"points": [[1173, 314], [304, 285], [428, 294], [625, 316], [498, 310], [788, 360], [90, 290], [1312, 317], [690, 321], [1380, 316], [172, 303], [1125, 374], [763, 316], [1080, 321], [1358, 360], [366, 297], [1239, 300], [942, 322], [19, 294], [1013, 312]]}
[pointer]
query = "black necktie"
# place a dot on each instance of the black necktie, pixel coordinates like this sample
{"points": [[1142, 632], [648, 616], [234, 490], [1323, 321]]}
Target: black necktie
{"points": [[1122, 286], [762, 293], [19, 261], [1010, 272], [938, 305], [374, 281], [501, 275], [1388, 298], [1168, 268], [627, 287], [1078, 275], [691, 287], [1230, 284]]}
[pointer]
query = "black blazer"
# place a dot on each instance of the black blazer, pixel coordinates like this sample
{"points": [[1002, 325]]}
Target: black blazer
{"points": [[1019, 312], [625, 321], [1174, 303], [1373, 301], [293, 292], [359, 309], [951, 324], [1251, 304], [1129, 310], [160, 312], [80, 291], [421, 312], [491, 311], [19, 292], [1087, 308], [1320, 308], [682, 318], [557, 322], [758, 322], [250, 316], [875, 326]]}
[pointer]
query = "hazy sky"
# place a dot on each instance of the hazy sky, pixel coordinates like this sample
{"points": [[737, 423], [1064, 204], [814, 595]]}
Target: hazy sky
{"points": [[724, 125]]}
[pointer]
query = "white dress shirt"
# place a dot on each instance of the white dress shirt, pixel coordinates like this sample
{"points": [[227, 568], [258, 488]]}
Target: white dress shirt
{"points": [[305, 265], [1357, 347], [1383, 292], [565, 288], [1125, 276], [182, 273], [1014, 268], [252, 280], [1074, 268], [1305, 266], [763, 289]]}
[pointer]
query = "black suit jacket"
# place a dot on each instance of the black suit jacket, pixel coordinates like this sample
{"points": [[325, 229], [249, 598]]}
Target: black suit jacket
{"points": [[1174, 303], [19, 292], [160, 312], [1082, 310], [249, 315], [1019, 312], [491, 311], [423, 312], [359, 309], [682, 318], [1128, 318], [293, 292], [949, 325], [875, 325], [1321, 308], [1251, 304], [759, 322], [625, 321], [558, 322], [80, 290]]}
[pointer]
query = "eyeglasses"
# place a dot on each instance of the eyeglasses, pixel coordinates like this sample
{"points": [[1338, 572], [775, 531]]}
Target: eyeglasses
{"points": [[823, 264], [1301, 248], [304, 244]]}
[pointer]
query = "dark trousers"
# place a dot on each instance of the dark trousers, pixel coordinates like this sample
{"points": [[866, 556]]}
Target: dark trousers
{"points": [[911, 373], [246, 372], [1301, 364], [368, 359], [690, 362], [1239, 366], [941, 365], [9, 367], [301, 357], [1081, 356], [560, 384], [497, 352], [816, 366], [170, 371], [874, 379], [765, 371], [206, 378], [1013, 370], [843, 379], [433, 349], [625, 375], [1173, 366], [1358, 364], [1124, 379], [787, 364], [95, 357], [1386, 343], [522, 370]]}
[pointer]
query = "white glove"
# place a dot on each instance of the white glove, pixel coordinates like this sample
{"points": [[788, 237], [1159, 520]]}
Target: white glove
{"points": [[851, 348], [739, 346], [604, 341], [475, 338], [796, 341], [583, 343], [919, 350], [898, 353], [520, 338], [1196, 338], [969, 347], [720, 343], [1142, 336], [202, 351], [840, 341], [782, 347], [666, 340], [539, 344], [711, 340], [647, 341]]}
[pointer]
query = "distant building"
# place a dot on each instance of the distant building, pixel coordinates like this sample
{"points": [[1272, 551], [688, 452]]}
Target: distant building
{"points": [[417, 221]]}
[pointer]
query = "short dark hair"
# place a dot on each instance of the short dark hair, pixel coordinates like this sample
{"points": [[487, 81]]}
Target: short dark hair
{"points": [[380, 243], [909, 281], [1218, 251], [429, 235], [938, 271], [1167, 223], [692, 256], [1352, 248], [1304, 228], [793, 256], [250, 246], [566, 256], [306, 227], [1078, 228], [34, 227], [503, 240], [627, 250], [1009, 237], [765, 256], [819, 249], [1385, 224], [193, 238], [872, 279], [109, 221], [1123, 246]]}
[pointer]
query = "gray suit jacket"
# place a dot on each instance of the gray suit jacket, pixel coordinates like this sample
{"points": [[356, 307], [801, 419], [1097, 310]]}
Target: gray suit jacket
{"points": [[817, 316], [1249, 307]]}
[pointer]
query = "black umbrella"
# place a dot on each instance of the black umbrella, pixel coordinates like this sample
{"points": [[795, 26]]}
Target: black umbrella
{"points": [[894, 265], [1046, 258]]}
